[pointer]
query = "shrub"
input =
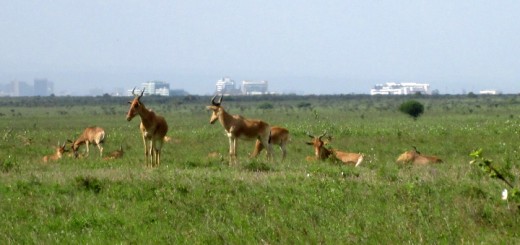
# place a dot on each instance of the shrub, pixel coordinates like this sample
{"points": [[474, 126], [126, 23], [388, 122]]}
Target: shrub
{"points": [[412, 108], [265, 106], [89, 183]]}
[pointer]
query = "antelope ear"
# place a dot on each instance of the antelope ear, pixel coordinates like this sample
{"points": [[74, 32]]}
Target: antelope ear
{"points": [[309, 143], [129, 102]]}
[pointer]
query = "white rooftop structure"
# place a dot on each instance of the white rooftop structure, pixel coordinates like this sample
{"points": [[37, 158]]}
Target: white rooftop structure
{"points": [[400, 88], [254, 88], [490, 91]]}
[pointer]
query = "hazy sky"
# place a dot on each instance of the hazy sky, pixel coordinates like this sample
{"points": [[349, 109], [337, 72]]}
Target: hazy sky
{"points": [[298, 46]]}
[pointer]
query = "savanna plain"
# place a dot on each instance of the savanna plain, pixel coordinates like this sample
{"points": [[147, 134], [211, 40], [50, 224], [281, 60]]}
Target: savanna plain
{"points": [[196, 197]]}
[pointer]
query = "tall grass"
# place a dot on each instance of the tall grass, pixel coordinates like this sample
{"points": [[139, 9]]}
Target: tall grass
{"points": [[194, 197]]}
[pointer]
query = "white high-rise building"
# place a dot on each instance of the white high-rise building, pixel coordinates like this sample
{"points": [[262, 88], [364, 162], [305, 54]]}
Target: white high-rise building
{"points": [[226, 86], [153, 88]]}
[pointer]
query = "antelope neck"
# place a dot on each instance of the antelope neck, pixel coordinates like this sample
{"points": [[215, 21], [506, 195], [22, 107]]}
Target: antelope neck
{"points": [[226, 120], [145, 115]]}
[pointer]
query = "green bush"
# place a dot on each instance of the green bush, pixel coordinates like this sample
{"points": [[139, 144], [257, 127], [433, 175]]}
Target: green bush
{"points": [[412, 108], [265, 106]]}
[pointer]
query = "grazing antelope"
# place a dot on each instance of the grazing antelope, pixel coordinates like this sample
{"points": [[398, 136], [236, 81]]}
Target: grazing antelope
{"points": [[94, 135], [415, 157], [322, 153], [60, 149], [153, 129], [115, 154], [279, 136], [237, 127]]}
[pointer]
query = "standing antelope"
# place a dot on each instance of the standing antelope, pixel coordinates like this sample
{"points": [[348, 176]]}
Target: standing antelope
{"points": [[94, 135], [237, 127], [153, 129], [322, 153], [415, 157], [279, 136], [60, 149]]}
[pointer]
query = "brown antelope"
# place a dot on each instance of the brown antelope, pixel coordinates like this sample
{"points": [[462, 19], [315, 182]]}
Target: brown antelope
{"points": [[94, 135], [415, 157], [322, 153], [153, 129], [115, 154], [279, 136], [237, 127], [60, 149]]}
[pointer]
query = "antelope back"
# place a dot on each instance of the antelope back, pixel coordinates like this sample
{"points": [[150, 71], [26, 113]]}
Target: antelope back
{"points": [[94, 134], [279, 135]]}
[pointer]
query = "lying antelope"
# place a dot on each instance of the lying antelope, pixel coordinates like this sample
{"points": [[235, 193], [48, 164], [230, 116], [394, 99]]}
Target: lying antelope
{"points": [[115, 154], [60, 149], [94, 135], [237, 127], [153, 129], [415, 157], [279, 136], [322, 153]]}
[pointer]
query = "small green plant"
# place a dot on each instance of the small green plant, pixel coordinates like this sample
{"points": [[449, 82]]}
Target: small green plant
{"points": [[89, 183], [486, 166], [9, 164], [412, 108], [258, 166]]}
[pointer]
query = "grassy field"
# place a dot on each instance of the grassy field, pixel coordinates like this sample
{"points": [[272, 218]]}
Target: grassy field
{"points": [[194, 197]]}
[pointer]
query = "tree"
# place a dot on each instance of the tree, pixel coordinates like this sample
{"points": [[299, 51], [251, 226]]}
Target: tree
{"points": [[412, 108]]}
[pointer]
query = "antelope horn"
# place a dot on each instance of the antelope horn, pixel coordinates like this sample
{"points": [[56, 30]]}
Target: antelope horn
{"points": [[415, 149], [321, 136], [216, 103], [310, 135], [133, 92], [142, 92], [213, 100]]}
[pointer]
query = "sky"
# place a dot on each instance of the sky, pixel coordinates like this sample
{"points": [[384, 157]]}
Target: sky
{"points": [[310, 47]]}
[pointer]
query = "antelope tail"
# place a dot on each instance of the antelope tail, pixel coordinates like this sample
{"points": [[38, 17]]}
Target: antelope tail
{"points": [[360, 160]]}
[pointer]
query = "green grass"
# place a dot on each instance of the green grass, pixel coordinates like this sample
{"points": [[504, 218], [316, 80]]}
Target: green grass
{"points": [[195, 198]]}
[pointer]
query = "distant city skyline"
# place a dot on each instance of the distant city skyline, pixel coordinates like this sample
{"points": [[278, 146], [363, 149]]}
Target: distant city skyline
{"points": [[309, 47], [23, 87]]}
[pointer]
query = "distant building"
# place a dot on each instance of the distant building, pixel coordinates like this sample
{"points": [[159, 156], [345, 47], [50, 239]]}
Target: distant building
{"points": [[43, 87], [400, 88], [19, 88], [254, 88], [226, 86], [491, 91], [153, 88]]}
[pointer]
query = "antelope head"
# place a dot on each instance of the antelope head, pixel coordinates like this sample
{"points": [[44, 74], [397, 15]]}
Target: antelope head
{"points": [[318, 144], [215, 108], [61, 148], [134, 105]]}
